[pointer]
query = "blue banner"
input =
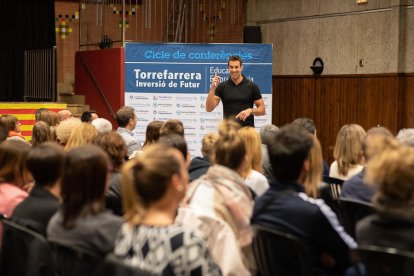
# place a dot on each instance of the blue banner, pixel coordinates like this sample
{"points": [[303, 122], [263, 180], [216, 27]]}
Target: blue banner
{"points": [[189, 68]]}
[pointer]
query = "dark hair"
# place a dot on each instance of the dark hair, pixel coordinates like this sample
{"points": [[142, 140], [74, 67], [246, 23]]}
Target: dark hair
{"points": [[172, 127], [145, 179], [13, 155], [175, 141], [287, 152], [123, 115], [86, 116], [38, 112], [152, 133], [3, 133], [83, 183], [45, 163], [41, 133], [113, 144], [234, 58], [306, 123], [229, 150]]}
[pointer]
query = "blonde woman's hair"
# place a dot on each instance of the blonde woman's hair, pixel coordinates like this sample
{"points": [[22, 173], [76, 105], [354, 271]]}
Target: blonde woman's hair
{"points": [[145, 179], [82, 134], [64, 129], [207, 144], [253, 144], [392, 172], [348, 147], [314, 175]]}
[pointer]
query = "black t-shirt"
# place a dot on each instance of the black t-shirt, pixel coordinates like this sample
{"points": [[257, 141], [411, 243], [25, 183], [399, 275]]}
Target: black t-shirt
{"points": [[237, 98]]}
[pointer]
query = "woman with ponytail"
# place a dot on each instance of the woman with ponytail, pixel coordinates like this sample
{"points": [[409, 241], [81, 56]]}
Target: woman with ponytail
{"points": [[220, 204], [153, 184]]}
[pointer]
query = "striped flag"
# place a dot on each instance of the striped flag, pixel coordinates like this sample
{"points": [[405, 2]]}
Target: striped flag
{"points": [[25, 112]]}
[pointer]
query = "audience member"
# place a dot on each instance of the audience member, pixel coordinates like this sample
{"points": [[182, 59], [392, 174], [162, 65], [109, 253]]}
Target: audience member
{"points": [[199, 165], [152, 133], [64, 114], [312, 181], [391, 171], [82, 222], [3, 133], [178, 142], [45, 163], [102, 125], [406, 137], [37, 113], [50, 117], [348, 152], [149, 239], [287, 208], [82, 134], [41, 133], [12, 125], [64, 129], [127, 121], [310, 127], [89, 116], [172, 126], [220, 202], [355, 187], [113, 144], [13, 178], [252, 172], [267, 132]]}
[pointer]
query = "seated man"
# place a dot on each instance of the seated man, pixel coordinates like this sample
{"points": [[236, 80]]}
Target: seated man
{"points": [[127, 121], [45, 163], [287, 208]]}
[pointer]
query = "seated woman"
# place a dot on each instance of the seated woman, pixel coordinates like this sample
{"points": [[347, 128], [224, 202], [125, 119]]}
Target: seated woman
{"points": [[13, 176], [153, 184], [348, 152], [391, 172], [220, 204], [12, 125], [82, 222]]}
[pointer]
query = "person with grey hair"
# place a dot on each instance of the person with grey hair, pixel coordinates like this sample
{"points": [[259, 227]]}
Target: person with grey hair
{"points": [[406, 137], [102, 125], [266, 134], [127, 121]]}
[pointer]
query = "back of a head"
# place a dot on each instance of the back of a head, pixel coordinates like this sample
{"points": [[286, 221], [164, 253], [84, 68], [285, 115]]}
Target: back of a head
{"points": [[41, 133], [207, 144], [348, 147], [89, 116], [152, 133], [45, 163], [64, 129], [113, 144], [175, 141], [392, 172], [8, 122], [145, 179], [3, 133], [50, 117], [38, 112], [370, 145], [123, 115], [267, 132], [230, 149], [287, 152], [13, 155], [102, 125], [253, 143], [406, 137], [172, 127], [83, 182], [82, 134], [306, 123]]}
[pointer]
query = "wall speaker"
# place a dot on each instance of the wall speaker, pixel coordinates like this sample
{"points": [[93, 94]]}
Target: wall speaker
{"points": [[252, 34]]}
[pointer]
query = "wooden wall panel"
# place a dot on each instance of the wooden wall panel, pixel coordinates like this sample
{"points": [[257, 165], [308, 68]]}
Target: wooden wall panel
{"points": [[332, 101]]}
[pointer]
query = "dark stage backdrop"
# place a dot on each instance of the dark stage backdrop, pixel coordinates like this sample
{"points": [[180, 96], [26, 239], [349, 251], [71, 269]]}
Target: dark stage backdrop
{"points": [[24, 25]]}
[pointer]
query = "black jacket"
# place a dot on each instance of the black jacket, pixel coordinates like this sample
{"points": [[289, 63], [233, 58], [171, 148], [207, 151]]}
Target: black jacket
{"points": [[198, 167]]}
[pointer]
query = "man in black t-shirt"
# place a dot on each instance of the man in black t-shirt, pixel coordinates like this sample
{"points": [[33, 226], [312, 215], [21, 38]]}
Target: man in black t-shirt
{"points": [[238, 94]]}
